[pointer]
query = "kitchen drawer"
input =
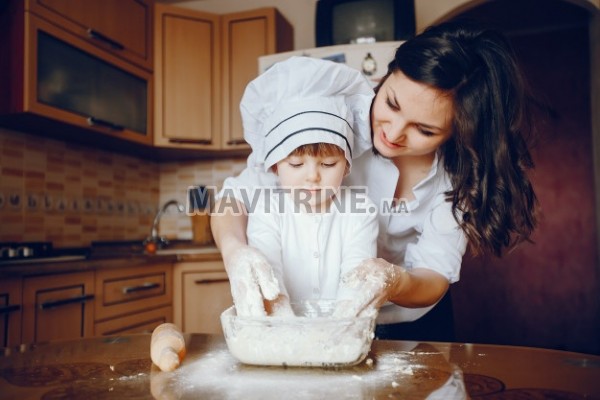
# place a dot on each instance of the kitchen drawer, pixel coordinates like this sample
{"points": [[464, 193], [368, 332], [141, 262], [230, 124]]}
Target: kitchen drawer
{"points": [[143, 322], [130, 290], [121, 27]]}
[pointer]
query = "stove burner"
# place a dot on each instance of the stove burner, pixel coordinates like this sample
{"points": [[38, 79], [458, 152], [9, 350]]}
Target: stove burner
{"points": [[19, 250]]}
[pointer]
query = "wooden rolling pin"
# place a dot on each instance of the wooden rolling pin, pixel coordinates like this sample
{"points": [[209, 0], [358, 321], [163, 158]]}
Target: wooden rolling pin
{"points": [[167, 347]]}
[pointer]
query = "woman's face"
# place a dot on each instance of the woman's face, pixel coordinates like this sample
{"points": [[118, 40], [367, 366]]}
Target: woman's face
{"points": [[410, 118]]}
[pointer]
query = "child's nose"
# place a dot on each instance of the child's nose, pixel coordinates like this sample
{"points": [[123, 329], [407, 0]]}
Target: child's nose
{"points": [[314, 174]]}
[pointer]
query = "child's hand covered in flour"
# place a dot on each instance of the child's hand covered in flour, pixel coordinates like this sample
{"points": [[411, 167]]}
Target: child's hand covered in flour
{"points": [[374, 281], [252, 282]]}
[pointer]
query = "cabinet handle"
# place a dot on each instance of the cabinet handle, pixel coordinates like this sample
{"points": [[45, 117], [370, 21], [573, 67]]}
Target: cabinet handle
{"points": [[203, 281], [103, 38], [143, 286], [57, 303], [190, 141], [10, 308], [236, 142], [100, 122]]}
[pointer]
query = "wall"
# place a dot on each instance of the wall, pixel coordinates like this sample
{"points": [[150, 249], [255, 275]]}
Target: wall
{"points": [[177, 177], [72, 195], [301, 13]]}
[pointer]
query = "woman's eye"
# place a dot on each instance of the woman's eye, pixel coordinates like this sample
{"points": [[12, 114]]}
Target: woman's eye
{"points": [[391, 104], [329, 165], [425, 132], [295, 165]]}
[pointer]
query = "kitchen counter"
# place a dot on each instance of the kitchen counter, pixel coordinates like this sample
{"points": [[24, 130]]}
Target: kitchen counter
{"points": [[117, 259], [120, 367]]}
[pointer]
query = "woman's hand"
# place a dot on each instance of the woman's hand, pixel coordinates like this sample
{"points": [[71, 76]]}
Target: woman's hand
{"points": [[252, 282], [374, 281]]}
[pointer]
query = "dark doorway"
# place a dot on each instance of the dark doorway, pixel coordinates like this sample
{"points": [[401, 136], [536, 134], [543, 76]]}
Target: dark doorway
{"points": [[545, 294]]}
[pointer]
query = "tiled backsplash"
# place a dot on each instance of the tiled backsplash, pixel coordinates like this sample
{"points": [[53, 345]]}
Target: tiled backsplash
{"points": [[177, 177], [71, 195]]}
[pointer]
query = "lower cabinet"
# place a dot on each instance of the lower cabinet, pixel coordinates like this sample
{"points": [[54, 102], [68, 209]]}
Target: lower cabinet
{"points": [[133, 300], [202, 293], [142, 322], [57, 307], [10, 312]]}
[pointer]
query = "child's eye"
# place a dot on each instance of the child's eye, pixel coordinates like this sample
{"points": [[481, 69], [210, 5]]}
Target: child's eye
{"points": [[329, 165], [295, 165]]}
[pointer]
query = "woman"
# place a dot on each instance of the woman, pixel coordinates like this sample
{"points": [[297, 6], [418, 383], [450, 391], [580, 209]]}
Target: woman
{"points": [[449, 163]]}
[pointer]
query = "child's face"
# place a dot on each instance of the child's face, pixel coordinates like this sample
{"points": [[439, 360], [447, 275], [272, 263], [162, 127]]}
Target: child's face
{"points": [[314, 179]]}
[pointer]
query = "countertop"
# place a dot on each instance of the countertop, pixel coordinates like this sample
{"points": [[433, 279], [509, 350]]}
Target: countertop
{"points": [[120, 367], [182, 252]]}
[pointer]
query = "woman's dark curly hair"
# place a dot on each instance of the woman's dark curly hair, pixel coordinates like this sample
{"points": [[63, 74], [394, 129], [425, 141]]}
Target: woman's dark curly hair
{"points": [[487, 156]]}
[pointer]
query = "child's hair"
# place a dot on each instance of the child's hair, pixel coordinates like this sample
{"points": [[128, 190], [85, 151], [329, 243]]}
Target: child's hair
{"points": [[318, 149]]}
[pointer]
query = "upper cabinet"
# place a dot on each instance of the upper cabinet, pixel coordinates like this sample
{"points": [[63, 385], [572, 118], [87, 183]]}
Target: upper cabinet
{"points": [[187, 75], [121, 27], [60, 82], [203, 63], [245, 37]]}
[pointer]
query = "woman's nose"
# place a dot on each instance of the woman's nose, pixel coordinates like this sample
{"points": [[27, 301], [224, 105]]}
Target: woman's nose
{"points": [[397, 131]]}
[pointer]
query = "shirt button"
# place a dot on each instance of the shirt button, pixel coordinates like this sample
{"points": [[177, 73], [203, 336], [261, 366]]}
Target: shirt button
{"points": [[316, 254]]}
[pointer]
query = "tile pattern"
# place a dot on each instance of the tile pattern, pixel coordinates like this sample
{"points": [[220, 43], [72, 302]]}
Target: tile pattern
{"points": [[177, 177], [71, 195]]}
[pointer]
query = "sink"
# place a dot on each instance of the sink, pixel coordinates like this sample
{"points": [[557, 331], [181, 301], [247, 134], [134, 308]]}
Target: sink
{"points": [[190, 251]]}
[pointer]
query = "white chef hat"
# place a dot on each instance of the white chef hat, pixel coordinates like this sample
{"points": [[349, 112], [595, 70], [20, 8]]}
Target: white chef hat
{"points": [[306, 100]]}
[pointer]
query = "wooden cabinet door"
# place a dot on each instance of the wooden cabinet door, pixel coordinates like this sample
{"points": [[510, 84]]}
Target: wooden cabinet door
{"points": [[245, 37], [202, 293], [187, 75], [57, 307], [122, 27], [143, 322], [10, 312], [61, 85]]}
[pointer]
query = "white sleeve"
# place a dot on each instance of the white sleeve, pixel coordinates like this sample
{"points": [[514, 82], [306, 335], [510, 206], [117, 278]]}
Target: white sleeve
{"points": [[264, 234], [441, 245]]}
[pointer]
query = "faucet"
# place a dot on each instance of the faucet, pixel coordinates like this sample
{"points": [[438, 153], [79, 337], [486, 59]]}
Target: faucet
{"points": [[154, 238]]}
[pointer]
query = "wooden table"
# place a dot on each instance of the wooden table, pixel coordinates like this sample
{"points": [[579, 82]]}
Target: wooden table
{"points": [[120, 367]]}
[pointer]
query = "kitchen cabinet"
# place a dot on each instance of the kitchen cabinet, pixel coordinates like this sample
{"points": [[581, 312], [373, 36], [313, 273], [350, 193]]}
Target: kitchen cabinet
{"points": [[202, 293], [245, 37], [120, 27], [135, 299], [10, 312], [57, 307], [60, 84], [187, 76], [203, 63]]}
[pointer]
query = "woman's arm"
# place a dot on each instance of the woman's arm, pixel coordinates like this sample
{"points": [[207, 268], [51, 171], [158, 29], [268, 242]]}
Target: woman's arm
{"points": [[229, 227], [250, 276], [420, 287]]}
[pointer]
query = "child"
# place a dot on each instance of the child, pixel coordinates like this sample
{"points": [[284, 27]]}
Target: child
{"points": [[307, 130]]}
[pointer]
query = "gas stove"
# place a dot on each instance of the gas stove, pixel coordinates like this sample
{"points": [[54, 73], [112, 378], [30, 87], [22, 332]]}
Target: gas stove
{"points": [[37, 252]]}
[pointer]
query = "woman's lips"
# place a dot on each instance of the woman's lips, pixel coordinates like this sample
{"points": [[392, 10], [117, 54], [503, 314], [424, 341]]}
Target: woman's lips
{"points": [[387, 142]]}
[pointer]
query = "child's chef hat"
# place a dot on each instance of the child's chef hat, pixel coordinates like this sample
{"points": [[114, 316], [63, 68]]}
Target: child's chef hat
{"points": [[306, 100]]}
